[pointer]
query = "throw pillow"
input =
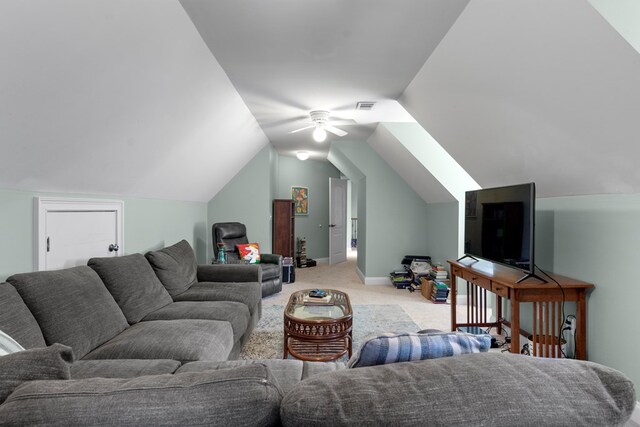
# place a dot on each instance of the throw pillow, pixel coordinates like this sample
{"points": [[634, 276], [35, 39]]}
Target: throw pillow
{"points": [[403, 347], [45, 363], [8, 345], [250, 252]]}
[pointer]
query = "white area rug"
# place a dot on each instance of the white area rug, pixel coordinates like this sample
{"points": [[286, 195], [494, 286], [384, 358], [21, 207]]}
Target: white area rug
{"points": [[266, 341]]}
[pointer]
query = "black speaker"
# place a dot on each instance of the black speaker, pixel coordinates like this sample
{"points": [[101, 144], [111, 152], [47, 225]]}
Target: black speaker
{"points": [[288, 274]]}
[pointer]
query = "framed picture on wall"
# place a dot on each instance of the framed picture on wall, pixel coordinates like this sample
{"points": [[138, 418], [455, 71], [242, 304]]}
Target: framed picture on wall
{"points": [[300, 195]]}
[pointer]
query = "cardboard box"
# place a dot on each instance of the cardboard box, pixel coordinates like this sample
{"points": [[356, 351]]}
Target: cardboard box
{"points": [[426, 286]]}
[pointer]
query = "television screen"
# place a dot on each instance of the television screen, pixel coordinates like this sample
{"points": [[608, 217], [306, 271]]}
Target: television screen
{"points": [[499, 225]]}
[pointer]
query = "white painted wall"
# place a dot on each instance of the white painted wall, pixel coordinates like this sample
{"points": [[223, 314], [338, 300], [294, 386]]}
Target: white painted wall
{"points": [[116, 97], [534, 90]]}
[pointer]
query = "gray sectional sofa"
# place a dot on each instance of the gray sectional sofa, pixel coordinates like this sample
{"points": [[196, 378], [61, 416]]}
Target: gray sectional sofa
{"points": [[150, 340], [136, 309]]}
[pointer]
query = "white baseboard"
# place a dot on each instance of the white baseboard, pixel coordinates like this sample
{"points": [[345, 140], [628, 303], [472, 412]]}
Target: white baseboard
{"points": [[372, 280], [322, 260], [377, 281]]}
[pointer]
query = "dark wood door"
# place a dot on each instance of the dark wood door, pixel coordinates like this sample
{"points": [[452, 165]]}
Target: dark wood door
{"points": [[283, 227]]}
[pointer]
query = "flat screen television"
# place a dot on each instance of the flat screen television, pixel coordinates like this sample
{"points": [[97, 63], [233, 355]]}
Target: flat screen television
{"points": [[499, 226]]}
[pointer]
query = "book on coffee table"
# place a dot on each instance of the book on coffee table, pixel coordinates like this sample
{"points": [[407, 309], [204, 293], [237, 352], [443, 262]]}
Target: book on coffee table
{"points": [[307, 300]]}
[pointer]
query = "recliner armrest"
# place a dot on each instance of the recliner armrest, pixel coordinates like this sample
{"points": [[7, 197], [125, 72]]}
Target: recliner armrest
{"points": [[229, 273]]}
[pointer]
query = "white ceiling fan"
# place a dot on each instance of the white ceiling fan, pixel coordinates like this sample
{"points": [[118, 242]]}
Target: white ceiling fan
{"points": [[320, 119]]}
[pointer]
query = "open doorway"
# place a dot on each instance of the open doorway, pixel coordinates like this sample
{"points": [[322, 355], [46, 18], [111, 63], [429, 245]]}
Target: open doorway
{"points": [[338, 202]]}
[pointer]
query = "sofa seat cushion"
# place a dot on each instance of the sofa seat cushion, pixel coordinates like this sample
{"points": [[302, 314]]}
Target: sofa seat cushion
{"points": [[133, 284], [72, 307], [472, 389], [236, 313], [182, 340], [46, 363], [16, 320], [122, 368], [246, 396], [288, 372], [176, 266], [270, 271], [248, 293]]}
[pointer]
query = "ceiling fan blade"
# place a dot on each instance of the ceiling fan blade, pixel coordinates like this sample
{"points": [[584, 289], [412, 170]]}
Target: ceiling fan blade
{"points": [[335, 130], [304, 128], [342, 122]]}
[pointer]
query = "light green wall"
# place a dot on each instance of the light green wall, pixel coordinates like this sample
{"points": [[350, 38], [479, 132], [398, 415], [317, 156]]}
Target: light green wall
{"points": [[314, 175], [247, 199], [148, 224], [442, 231], [358, 187], [395, 216], [361, 186], [595, 239]]}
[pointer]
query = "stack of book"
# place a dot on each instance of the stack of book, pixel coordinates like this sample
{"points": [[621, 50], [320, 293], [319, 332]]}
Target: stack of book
{"points": [[439, 293], [325, 300], [401, 278], [438, 272], [302, 252]]}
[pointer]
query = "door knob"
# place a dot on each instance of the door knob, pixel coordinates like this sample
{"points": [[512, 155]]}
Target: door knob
{"points": [[332, 225], [114, 247]]}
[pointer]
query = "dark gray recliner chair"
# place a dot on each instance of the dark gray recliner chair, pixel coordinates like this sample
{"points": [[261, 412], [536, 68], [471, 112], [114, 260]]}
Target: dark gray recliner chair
{"points": [[232, 234]]}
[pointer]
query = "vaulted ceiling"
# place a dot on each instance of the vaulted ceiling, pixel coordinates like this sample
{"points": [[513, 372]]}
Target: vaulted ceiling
{"points": [[168, 99]]}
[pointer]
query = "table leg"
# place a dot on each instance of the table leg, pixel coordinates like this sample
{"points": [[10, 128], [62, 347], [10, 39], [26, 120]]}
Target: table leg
{"points": [[454, 301], [498, 314], [285, 350], [515, 324], [581, 327]]}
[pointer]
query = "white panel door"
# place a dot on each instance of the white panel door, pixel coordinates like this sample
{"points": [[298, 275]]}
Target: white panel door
{"points": [[70, 231], [74, 237], [337, 220]]}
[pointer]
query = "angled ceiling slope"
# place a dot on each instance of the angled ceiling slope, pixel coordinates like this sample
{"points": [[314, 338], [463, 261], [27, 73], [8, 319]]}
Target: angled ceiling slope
{"points": [[542, 91], [289, 57], [116, 97]]}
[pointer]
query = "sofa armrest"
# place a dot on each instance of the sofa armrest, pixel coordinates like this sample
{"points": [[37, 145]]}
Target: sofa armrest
{"points": [[271, 259], [247, 395], [229, 273]]}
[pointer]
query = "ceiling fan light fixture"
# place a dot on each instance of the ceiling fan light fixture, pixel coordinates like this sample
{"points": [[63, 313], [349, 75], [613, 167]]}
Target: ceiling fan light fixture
{"points": [[302, 155], [319, 134]]}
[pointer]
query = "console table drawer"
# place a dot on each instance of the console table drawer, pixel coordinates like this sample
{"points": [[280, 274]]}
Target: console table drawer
{"points": [[455, 271], [500, 290], [477, 280]]}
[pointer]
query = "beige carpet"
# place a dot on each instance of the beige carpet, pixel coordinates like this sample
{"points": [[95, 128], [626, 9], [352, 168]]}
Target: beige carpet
{"points": [[343, 277]]}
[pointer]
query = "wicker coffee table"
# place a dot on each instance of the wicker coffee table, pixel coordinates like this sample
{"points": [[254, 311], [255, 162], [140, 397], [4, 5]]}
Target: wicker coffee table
{"points": [[318, 331]]}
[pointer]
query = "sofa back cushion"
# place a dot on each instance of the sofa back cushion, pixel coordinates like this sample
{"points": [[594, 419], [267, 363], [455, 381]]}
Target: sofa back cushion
{"points": [[471, 389], [133, 284], [176, 267], [46, 363], [16, 320], [72, 307]]}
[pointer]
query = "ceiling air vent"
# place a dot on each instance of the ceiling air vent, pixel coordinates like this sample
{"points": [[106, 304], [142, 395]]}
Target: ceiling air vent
{"points": [[365, 105]]}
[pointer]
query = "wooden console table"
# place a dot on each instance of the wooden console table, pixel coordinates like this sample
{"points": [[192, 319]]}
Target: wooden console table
{"points": [[483, 277]]}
